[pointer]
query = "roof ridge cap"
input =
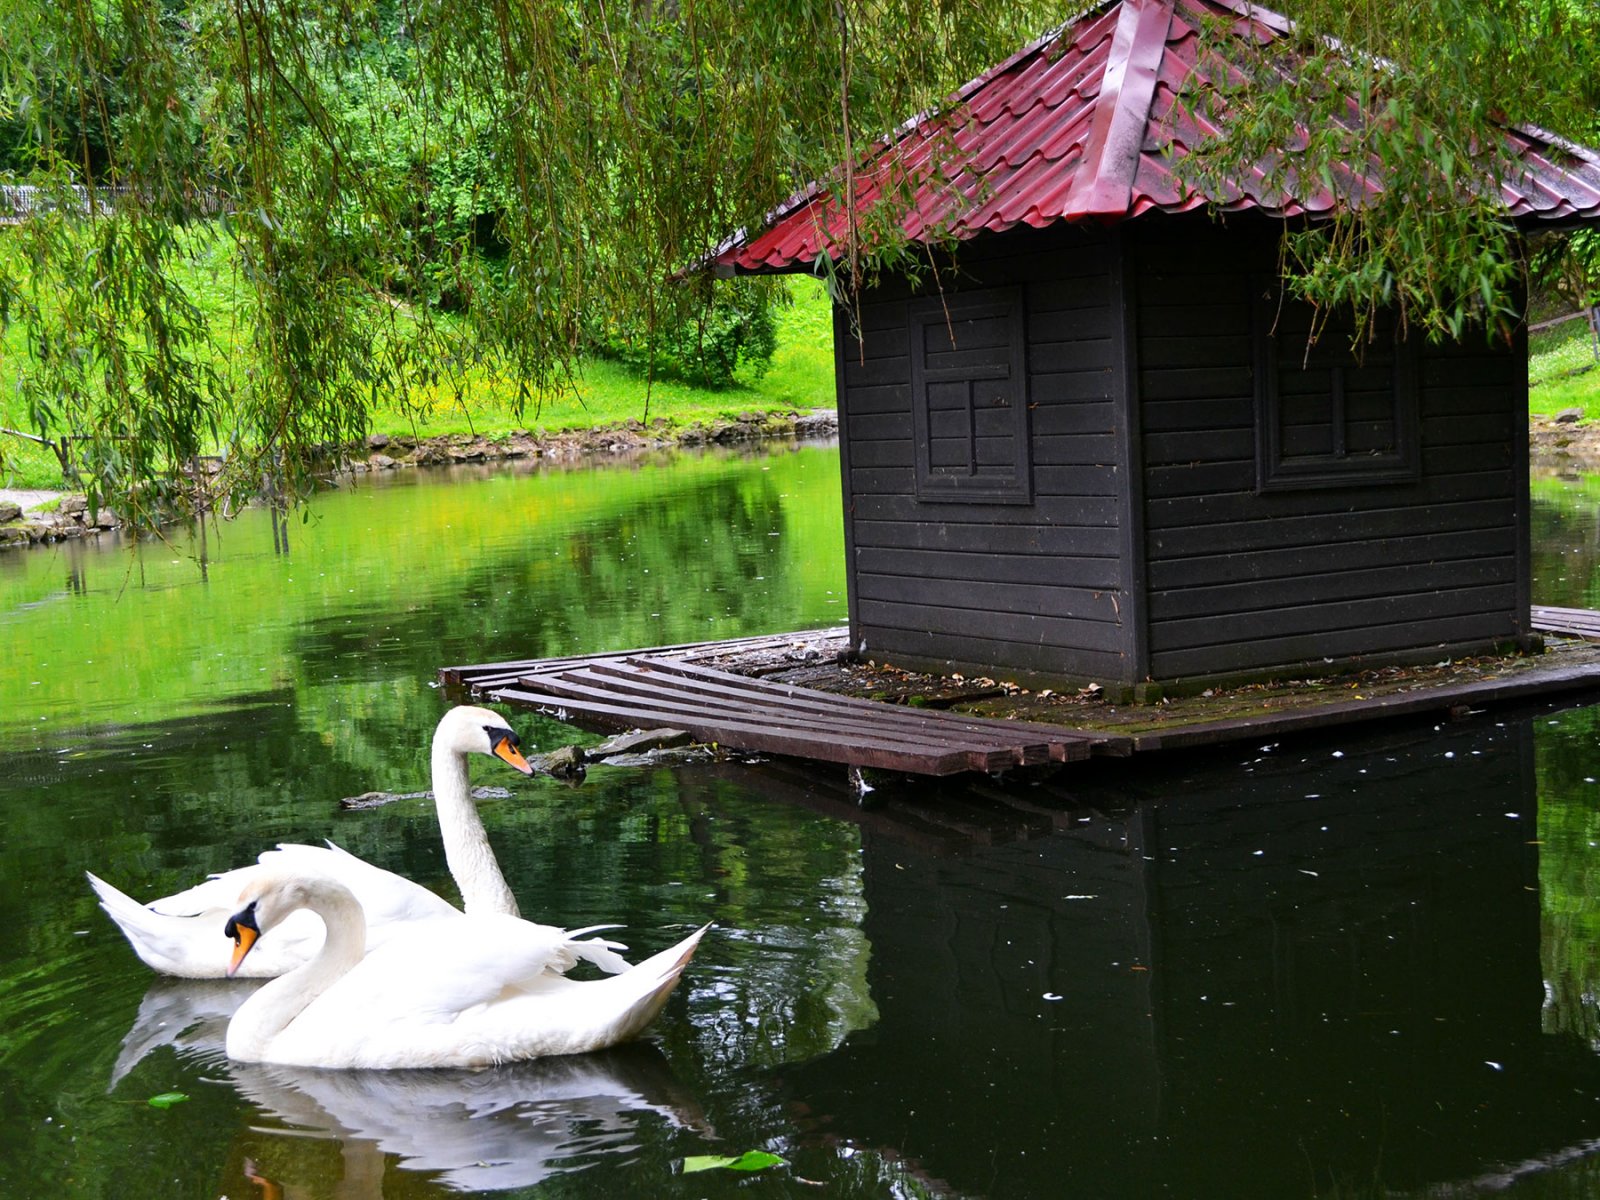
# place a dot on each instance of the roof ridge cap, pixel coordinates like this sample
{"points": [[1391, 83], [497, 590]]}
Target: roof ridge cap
{"points": [[1103, 185]]}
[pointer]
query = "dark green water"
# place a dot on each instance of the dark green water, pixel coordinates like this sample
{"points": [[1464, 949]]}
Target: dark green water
{"points": [[1322, 967]]}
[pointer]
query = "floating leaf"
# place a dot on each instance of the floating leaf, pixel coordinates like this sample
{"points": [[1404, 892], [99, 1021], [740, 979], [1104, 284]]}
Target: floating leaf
{"points": [[167, 1099], [750, 1160]]}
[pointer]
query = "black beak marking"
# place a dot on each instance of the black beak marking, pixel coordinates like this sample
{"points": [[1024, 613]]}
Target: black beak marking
{"points": [[245, 917]]}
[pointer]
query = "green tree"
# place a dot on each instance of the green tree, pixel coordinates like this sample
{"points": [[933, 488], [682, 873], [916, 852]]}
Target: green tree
{"points": [[1426, 91], [550, 170]]}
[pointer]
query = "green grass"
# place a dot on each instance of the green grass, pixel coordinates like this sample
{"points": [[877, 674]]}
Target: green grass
{"points": [[606, 392], [601, 392], [1563, 371]]}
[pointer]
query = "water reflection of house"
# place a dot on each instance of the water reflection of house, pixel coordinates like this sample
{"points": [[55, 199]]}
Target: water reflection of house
{"points": [[1097, 444], [1286, 969]]}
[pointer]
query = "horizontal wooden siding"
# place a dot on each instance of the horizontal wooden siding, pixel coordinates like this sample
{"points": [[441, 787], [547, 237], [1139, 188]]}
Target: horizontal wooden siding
{"points": [[1024, 587], [1240, 579]]}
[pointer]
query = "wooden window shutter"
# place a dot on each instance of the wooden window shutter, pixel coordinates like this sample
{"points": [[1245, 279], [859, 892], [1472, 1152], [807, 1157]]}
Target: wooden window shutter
{"points": [[969, 398]]}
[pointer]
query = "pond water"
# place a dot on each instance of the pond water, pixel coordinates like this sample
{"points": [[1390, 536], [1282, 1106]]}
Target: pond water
{"points": [[1317, 967]]}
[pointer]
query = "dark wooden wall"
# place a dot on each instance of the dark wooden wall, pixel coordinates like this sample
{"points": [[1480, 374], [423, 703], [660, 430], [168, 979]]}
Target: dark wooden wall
{"points": [[1240, 579], [1140, 350], [997, 587]]}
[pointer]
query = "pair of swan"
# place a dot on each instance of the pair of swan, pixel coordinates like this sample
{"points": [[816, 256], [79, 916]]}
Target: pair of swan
{"points": [[327, 910]]}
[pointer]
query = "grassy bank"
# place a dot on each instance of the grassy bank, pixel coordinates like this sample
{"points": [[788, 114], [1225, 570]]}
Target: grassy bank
{"points": [[603, 392], [1563, 371]]}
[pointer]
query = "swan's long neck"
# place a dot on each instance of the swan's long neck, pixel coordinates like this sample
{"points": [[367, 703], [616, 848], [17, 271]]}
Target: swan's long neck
{"points": [[269, 1011], [466, 846]]}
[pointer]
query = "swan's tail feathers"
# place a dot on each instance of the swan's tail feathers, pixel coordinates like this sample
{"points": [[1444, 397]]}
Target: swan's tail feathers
{"points": [[602, 952], [603, 955], [156, 938], [659, 974]]}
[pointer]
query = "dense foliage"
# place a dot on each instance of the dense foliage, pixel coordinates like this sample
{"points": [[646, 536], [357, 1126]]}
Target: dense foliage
{"points": [[546, 173], [1426, 90]]}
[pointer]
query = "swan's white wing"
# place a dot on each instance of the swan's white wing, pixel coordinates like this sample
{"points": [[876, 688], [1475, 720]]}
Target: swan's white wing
{"points": [[189, 942], [441, 969], [182, 934], [385, 898], [471, 992]]}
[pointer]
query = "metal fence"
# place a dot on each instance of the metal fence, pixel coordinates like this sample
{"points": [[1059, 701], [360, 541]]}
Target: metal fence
{"points": [[20, 202]]}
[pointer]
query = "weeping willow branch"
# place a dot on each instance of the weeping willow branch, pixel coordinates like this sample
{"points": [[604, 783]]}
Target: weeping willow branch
{"points": [[416, 189]]}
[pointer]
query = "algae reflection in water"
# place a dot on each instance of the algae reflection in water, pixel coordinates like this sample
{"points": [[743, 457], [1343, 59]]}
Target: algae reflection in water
{"points": [[386, 581]]}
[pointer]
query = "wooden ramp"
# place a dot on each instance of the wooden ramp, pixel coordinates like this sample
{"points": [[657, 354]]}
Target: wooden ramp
{"points": [[1568, 622], [668, 687]]}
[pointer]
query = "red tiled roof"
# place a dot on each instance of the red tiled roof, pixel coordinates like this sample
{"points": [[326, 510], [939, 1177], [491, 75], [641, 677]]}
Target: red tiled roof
{"points": [[1086, 124]]}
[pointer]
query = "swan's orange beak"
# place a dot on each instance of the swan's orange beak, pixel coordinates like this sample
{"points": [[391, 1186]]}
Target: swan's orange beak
{"points": [[508, 750], [241, 927]]}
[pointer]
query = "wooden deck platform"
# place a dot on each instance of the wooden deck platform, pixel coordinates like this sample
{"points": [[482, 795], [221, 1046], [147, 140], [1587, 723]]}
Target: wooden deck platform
{"points": [[687, 687], [670, 686]]}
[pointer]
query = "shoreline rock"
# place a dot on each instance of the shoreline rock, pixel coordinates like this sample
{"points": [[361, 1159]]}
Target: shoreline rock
{"points": [[1561, 444], [24, 521]]}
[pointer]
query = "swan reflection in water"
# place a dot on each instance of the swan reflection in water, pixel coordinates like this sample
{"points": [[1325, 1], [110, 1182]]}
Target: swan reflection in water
{"points": [[508, 1127]]}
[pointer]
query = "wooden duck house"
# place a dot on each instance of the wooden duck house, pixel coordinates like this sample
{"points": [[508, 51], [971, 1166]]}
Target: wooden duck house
{"points": [[1101, 446]]}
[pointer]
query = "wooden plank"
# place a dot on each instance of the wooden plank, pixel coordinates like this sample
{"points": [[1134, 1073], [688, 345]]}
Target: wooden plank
{"points": [[1476, 630], [1069, 386], [772, 739], [1197, 383], [882, 398], [755, 714], [1574, 622], [832, 636], [1082, 571], [1178, 416], [1322, 528], [819, 719], [1196, 445], [1158, 352], [1044, 596], [1323, 716], [1334, 616], [1088, 355], [890, 505], [1063, 417], [1323, 586], [1054, 633], [1282, 563], [1028, 730], [1031, 541], [913, 646], [911, 729], [1236, 507], [876, 371], [1228, 318], [881, 427]]}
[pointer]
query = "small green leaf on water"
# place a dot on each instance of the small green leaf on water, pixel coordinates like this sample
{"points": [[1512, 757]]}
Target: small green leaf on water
{"points": [[750, 1160], [167, 1099]]}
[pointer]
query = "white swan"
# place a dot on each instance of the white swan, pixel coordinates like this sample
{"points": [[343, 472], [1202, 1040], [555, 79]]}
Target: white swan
{"points": [[181, 934], [462, 992]]}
